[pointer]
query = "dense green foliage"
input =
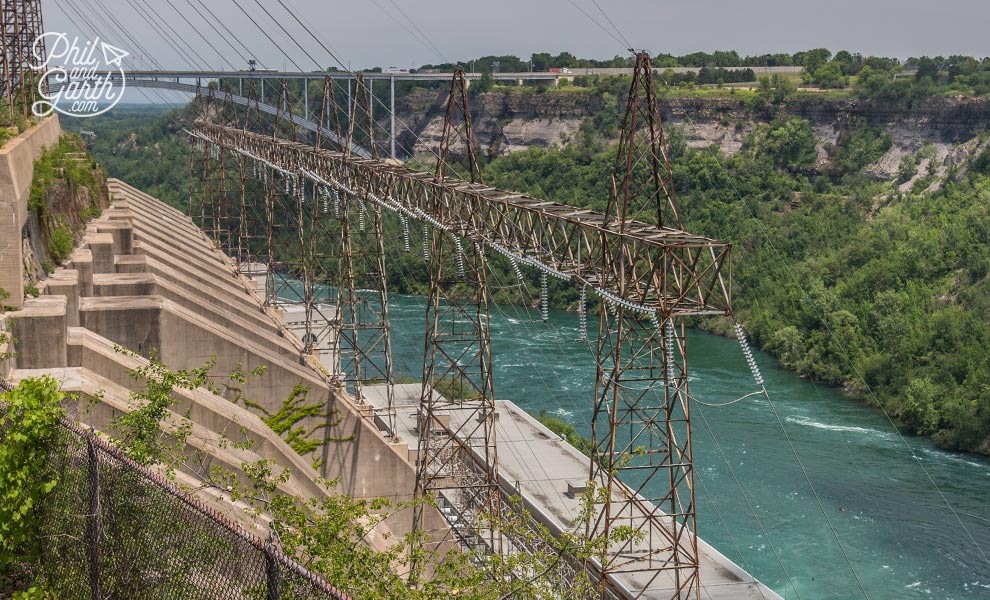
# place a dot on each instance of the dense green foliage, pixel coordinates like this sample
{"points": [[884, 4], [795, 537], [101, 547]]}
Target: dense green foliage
{"points": [[28, 418], [60, 245], [329, 533], [541, 61], [884, 301], [875, 77], [58, 164], [566, 431]]}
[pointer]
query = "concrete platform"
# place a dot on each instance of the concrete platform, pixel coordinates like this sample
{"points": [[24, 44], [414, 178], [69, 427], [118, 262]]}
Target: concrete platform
{"points": [[535, 464]]}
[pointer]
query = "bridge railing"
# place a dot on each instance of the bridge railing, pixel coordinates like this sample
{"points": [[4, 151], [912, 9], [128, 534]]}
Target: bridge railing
{"points": [[112, 528]]}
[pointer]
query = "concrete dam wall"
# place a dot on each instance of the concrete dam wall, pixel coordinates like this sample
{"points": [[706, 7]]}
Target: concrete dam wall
{"points": [[147, 280]]}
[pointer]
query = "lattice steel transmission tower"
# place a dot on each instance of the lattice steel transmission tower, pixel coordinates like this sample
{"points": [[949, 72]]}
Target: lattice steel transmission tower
{"points": [[649, 274], [641, 430], [21, 25], [457, 462], [364, 341]]}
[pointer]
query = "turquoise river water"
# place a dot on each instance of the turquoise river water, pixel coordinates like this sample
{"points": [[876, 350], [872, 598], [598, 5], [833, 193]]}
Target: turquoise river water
{"points": [[893, 520]]}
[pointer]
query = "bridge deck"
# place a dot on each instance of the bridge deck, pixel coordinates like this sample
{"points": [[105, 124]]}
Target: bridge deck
{"points": [[537, 465]]}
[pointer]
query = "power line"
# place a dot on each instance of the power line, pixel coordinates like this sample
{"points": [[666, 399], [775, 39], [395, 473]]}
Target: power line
{"points": [[849, 361], [229, 32], [427, 38], [220, 35], [82, 17], [291, 37], [143, 9], [749, 504], [422, 40], [596, 22], [265, 33], [127, 34], [209, 44], [610, 22]]}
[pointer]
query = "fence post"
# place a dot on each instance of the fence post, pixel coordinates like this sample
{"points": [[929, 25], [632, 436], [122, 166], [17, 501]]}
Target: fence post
{"points": [[273, 575], [93, 519]]}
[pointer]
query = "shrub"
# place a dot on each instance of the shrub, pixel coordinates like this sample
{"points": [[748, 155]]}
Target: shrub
{"points": [[32, 414], [60, 246]]}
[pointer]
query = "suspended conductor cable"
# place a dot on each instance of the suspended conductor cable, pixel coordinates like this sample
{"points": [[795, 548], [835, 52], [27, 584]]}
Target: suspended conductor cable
{"points": [[753, 367], [426, 38], [610, 22], [804, 471], [596, 22]]}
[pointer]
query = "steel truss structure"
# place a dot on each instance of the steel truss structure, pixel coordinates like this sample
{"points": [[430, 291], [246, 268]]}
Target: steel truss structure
{"points": [[21, 27], [364, 345], [330, 242], [457, 461], [641, 429], [649, 274], [668, 272]]}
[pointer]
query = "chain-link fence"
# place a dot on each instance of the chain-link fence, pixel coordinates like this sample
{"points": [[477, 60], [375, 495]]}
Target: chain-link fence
{"points": [[113, 529]]}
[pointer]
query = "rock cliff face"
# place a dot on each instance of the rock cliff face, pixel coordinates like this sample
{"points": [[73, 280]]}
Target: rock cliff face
{"points": [[506, 121]]}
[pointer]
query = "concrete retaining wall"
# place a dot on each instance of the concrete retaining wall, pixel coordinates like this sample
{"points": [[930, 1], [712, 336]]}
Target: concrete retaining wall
{"points": [[16, 174]]}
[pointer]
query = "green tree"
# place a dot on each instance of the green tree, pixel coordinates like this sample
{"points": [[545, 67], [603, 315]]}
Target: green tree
{"points": [[812, 60], [29, 415], [791, 144], [830, 75]]}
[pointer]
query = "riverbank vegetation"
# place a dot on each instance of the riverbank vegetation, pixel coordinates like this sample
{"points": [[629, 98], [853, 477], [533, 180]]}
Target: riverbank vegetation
{"points": [[874, 77], [847, 280]]}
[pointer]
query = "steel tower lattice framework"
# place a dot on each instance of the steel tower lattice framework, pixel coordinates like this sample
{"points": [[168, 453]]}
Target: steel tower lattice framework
{"points": [[332, 240], [641, 271], [457, 462], [210, 221], [227, 228], [641, 431], [21, 26], [281, 213], [249, 208], [364, 343]]}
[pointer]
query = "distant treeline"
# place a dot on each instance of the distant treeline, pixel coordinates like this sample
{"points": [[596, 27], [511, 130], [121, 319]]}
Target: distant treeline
{"points": [[875, 77], [852, 62], [708, 75]]}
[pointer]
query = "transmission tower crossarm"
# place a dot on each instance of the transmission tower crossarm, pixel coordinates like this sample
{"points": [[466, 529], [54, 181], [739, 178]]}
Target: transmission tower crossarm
{"points": [[670, 272]]}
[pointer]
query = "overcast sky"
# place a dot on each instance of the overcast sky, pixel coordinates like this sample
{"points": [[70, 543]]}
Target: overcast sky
{"points": [[368, 33]]}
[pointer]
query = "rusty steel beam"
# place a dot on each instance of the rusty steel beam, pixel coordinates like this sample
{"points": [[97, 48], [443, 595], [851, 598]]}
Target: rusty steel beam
{"points": [[666, 271], [641, 428], [20, 26]]}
